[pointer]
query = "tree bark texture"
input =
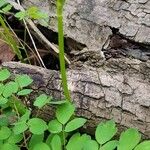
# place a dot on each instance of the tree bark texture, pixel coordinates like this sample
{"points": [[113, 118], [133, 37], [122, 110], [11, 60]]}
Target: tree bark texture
{"points": [[92, 22], [120, 89]]}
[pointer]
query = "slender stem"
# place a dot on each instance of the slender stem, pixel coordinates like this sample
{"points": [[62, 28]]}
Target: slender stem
{"points": [[32, 40], [18, 115], [64, 138], [61, 49]]}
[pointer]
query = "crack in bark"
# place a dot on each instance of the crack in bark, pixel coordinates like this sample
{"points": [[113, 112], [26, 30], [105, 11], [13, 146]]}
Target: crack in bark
{"points": [[112, 91]]}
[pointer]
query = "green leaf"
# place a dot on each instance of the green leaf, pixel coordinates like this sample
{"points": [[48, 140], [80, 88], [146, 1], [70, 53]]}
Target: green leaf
{"points": [[35, 139], [143, 146], [21, 107], [129, 139], [49, 139], [4, 74], [26, 116], [44, 22], [56, 143], [37, 126], [75, 142], [3, 2], [4, 121], [58, 102], [1, 88], [75, 124], [91, 145], [20, 127], [24, 92], [35, 13], [3, 100], [54, 126], [23, 80], [21, 15], [105, 131], [111, 145], [7, 8], [42, 100], [8, 146], [85, 137], [64, 112], [5, 132], [41, 146], [13, 139], [10, 88]]}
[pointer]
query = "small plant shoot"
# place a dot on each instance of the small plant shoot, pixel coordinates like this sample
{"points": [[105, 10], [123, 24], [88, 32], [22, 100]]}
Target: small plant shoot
{"points": [[22, 126]]}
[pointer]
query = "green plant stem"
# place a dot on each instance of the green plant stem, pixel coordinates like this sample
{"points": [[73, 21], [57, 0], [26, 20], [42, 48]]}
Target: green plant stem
{"points": [[61, 48], [64, 138], [18, 115]]}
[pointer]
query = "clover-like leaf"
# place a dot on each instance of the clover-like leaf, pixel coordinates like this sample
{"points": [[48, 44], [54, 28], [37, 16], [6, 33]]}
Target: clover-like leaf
{"points": [[54, 126], [5, 132], [37, 126], [35, 13], [3, 2], [24, 92], [56, 142], [42, 100], [143, 146], [20, 127], [91, 145], [111, 145], [3, 100], [23, 80], [4, 121], [25, 116], [15, 138], [64, 112], [75, 124], [41, 146], [21, 15], [75, 142], [4, 74], [35, 139], [105, 131], [10, 88], [9, 146], [7, 8], [129, 139]]}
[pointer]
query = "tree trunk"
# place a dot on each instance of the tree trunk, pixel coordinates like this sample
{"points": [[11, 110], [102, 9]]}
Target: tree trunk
{"points": [[93, 23], [120, 89]]}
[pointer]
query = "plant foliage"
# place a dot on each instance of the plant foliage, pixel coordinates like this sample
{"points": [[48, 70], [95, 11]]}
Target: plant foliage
{"points": [[20, 129], [12, 134]]}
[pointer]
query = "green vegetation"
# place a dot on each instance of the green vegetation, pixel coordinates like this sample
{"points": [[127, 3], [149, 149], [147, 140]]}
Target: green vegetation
{"points": [[60, 4], [19, 128]]}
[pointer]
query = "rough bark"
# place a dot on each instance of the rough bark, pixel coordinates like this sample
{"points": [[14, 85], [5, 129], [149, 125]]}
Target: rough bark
{"points": [[120, 89], [91, 22]]}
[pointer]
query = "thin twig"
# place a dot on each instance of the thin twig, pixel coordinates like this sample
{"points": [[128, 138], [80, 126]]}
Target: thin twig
{"points": [[38, 33], [18, 40], [34, 45]]}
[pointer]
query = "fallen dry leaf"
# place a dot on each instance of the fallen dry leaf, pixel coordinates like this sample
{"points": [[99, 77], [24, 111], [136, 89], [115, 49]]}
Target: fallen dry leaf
{"points": [[6, 53]]}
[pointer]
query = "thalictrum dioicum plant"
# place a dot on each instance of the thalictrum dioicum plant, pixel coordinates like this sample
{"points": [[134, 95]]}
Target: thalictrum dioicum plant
{"points": [[20, 129], [60, 4], [34, 13]]}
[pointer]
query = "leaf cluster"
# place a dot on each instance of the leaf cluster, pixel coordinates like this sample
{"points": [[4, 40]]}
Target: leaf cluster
{"points": [[33, 133], [30, 13]]}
